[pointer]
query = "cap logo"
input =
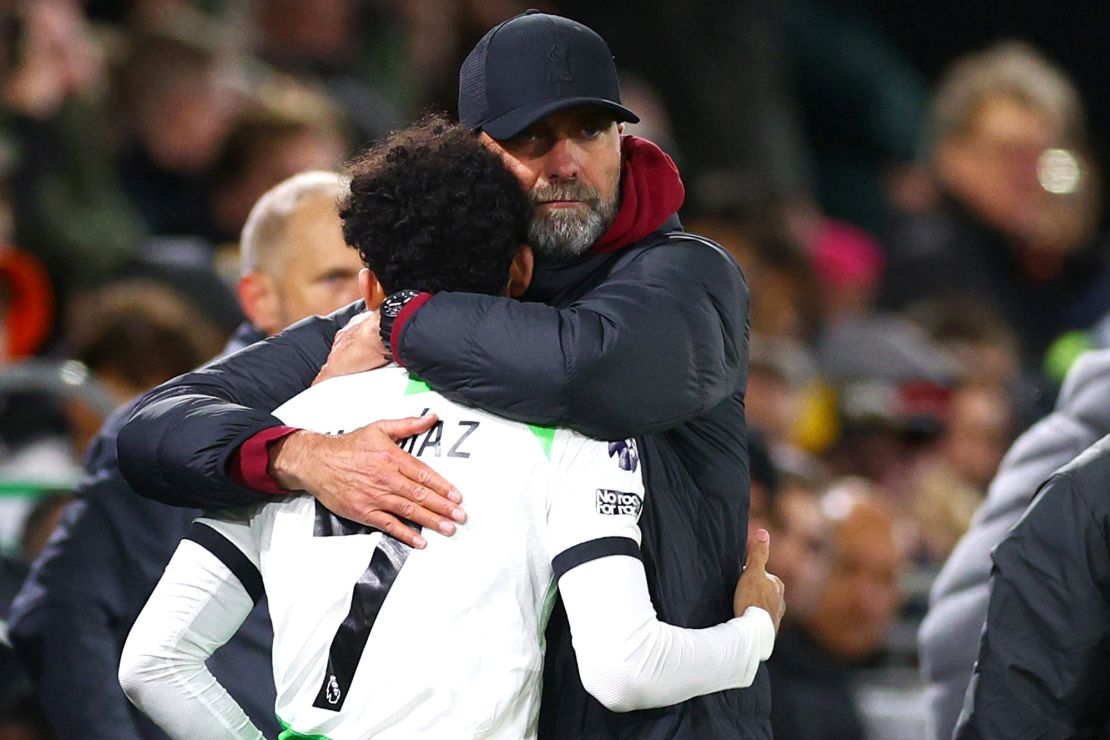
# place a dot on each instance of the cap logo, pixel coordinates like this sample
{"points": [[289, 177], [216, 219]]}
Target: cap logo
{"points": [[558, 68]]}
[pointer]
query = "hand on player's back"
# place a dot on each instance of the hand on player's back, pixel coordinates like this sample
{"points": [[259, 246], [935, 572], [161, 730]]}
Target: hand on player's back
{"points": [[357, 347], [757, 587], [364, 476]]}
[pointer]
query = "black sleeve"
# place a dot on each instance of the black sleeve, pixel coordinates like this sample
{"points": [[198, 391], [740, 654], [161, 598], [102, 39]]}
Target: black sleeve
{"points": [[1043, 669], [175, 446], [66, 629], [662, 339]]}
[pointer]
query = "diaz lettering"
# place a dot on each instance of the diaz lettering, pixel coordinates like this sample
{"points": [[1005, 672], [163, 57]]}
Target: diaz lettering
{"points": [[432, 442]]}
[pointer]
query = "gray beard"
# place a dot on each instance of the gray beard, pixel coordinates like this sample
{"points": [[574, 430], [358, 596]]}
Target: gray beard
{"points": [[562, 235]]}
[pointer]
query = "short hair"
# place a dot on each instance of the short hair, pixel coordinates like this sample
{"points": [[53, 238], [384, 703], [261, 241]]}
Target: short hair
{"points": [[145, 332], [1010, 69], [432, 209], [263, 237]]}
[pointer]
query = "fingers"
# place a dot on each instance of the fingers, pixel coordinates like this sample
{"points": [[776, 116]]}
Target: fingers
{"points": [[759, 550], [406, 509], [398, 429], [429, 488], [418, 501], [421, 479], [397, 529]]}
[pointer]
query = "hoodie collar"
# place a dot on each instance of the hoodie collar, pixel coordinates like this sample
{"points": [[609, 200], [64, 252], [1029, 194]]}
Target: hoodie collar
{"points": [[651, 191]]}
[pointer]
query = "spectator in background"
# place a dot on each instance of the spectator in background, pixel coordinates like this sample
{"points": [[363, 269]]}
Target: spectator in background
{"points": [[848, 268], [972, 332], [1043, 670], [788, 305], [861, 105], [977, 422], [356, 51], [977, 431], [289, 128], [949, 636], [294, 260], [20, 715], [75, 610], [813, 669], [57, 145], [132, 335], [178, 102], [1019, 196], [36, 449], [778, 376]]}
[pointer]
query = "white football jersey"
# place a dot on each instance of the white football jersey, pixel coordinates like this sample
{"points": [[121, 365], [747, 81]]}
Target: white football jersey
{"points": [[374, 639]]}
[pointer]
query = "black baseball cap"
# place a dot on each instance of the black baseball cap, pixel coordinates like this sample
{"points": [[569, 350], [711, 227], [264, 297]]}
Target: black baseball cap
{"points": [[531, 66]]}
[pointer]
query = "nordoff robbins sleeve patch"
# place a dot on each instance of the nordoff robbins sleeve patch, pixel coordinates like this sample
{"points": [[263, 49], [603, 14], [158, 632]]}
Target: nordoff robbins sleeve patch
{"points": [[618, 503]]}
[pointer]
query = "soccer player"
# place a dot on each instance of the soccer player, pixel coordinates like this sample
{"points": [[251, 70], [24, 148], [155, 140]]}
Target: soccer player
{"points": [[432, 208]]}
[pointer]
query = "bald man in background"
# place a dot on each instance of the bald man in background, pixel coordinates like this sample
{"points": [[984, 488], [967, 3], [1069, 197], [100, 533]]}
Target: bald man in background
{"points": [[817, 657], [293, 260], [71, 618]]}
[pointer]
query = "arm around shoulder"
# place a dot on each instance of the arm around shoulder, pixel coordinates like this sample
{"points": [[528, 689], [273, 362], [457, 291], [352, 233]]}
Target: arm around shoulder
{"points": [[659, 341], [176, 445]]}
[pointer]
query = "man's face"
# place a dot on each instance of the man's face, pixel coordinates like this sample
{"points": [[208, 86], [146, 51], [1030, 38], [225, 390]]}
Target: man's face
{"points": [[992, 166], [861, 594], [319, 273], [570, 165]]}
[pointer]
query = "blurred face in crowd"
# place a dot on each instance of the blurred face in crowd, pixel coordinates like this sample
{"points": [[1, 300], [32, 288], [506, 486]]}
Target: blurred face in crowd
{"points": [[799, 546], [275, 159], [773, 404], [860, 592], [992, 165], [977, 433], [316, 274], [184, 125], [570, 164]]}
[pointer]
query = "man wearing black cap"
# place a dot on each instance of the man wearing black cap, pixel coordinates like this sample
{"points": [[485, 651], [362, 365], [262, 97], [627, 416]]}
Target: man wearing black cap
{"points": [[631, 327]]}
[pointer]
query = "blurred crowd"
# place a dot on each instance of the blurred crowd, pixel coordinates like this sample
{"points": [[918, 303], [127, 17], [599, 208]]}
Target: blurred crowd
{"points": [[925, 261]]}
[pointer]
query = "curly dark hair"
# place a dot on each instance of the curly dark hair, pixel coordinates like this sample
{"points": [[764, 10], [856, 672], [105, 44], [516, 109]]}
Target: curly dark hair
{"points": [[432, 209]]}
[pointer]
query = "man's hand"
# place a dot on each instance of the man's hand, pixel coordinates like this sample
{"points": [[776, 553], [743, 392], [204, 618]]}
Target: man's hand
{"points": [[364, 476], [757, 587], [356, 347]]}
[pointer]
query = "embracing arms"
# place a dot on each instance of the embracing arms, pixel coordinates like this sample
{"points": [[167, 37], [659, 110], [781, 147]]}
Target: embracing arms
{"points": [[662, 339], [629, 660]]}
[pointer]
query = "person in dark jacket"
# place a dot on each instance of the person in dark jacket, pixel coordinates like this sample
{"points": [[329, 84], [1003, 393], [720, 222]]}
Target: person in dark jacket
{"points": [[631, 327], [72, 616], [1044, 669], [949, 637]]}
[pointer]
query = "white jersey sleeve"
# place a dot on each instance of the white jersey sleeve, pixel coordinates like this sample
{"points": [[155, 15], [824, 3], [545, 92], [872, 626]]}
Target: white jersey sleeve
{"points": [[627, 658], [594, 502], [209, 587]]}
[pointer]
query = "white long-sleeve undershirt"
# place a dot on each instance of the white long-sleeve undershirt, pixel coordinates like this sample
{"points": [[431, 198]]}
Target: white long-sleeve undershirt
{"points": [[196, 607], [628, 659]]}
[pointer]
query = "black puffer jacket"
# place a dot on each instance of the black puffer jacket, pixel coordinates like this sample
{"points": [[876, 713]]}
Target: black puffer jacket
{"points": [[1044, 658], [650, 341]]}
